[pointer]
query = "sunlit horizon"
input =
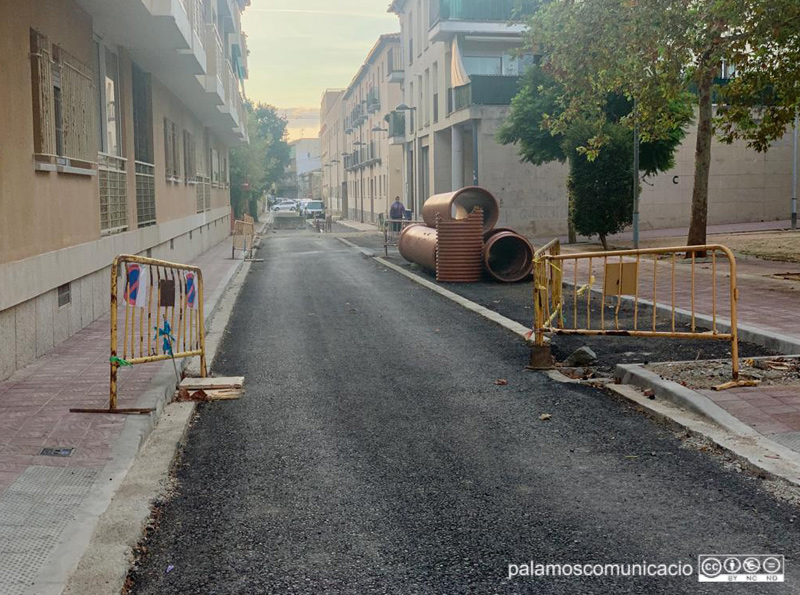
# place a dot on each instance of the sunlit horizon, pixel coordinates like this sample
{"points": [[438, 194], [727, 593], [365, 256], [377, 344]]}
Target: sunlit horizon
{"points": [[300, 48]]}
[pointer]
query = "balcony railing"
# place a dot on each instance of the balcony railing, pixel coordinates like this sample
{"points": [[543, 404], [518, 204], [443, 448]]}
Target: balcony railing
{"points": [[479, 10], [216, 55], [112, 179], [145, 194], [397, 124], [197, 18], [484, 90]]}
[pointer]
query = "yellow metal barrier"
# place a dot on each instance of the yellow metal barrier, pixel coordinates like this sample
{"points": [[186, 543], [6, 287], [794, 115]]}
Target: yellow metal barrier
{"points": [[622, 281], [162, 307], [244, 234]]}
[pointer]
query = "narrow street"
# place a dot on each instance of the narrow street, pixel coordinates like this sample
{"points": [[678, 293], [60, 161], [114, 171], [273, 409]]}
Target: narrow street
{"points": [[373, 453]]}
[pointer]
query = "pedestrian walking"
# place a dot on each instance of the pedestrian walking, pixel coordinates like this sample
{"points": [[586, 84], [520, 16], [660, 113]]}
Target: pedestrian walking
{"points": [[397, 213]]}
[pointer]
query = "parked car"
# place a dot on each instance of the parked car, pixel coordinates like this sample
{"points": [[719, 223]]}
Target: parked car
{"points": [[286, 209], [315, 209]]}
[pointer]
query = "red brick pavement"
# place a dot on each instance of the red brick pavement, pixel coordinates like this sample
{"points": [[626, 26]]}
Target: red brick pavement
{"points": [[35, 401]]}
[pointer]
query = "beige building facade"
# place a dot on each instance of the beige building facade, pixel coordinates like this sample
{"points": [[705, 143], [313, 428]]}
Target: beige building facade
{"points": [[118, 119], [331, 136], [370, 165], [447, 131]]}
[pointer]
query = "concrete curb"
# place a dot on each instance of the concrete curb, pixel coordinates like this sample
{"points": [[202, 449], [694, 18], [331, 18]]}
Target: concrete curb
{"points": [[64, 559], [506, 323], [777, 342], [722, 428]]}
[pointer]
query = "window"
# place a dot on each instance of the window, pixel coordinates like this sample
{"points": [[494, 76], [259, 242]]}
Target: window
{"points": [[411, 37], [426, 94], [64, 295], [143, 148], [172, 164], [63, 98], [189, 157], [108, 100], [214, 166], [484, 65], [435, 92]]}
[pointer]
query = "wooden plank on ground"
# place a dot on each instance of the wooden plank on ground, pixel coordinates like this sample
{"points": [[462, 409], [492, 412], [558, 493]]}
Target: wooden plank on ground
{"points": [[212, 383]]}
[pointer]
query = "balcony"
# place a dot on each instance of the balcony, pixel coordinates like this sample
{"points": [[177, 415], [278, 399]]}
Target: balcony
{"points": [[397, 127], [373, 101], [213, 80], [477, 17], [484, 90]]}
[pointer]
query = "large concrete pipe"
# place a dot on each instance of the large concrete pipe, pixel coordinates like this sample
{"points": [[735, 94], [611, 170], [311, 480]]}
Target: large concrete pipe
{"points": [[507, 256], [458, 205], [417, 244]]}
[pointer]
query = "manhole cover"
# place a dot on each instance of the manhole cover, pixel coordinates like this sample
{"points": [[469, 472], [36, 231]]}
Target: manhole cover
{"points": [[56, 452]]}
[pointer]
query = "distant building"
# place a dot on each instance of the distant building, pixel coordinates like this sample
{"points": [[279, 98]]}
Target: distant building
{"points": [[303, 161], [332, 145], [358, 121], [117, 120]]}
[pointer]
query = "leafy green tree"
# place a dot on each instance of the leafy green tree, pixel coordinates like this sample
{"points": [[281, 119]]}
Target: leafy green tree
{"points": [[257, 166], [661, 53], [600, 184], [601, 189]]}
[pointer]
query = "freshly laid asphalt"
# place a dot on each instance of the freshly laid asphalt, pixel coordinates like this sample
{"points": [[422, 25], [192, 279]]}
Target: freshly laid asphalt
{"points": [[374, 453]]}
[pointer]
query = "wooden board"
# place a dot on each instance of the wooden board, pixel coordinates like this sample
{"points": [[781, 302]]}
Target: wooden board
{"points": [[212, 383]]}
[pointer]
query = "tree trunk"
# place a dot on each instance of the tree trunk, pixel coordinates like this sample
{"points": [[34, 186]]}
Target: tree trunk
{"points": [[572, 236], [604, 241], [702, 164]]}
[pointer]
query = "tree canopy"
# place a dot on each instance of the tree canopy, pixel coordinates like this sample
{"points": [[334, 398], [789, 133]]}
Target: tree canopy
{"points": [[662, 53], [258, 166], [600, 183]]}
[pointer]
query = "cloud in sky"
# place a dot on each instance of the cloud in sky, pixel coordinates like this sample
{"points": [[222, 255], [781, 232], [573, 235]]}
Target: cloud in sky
{"points": [[299, 48]]}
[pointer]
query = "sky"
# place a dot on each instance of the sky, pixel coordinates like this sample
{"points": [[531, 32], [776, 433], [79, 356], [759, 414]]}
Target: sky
{"points": [[300, 48]]}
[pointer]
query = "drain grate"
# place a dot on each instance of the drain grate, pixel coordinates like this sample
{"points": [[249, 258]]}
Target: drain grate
{"points": [[56, 452]]}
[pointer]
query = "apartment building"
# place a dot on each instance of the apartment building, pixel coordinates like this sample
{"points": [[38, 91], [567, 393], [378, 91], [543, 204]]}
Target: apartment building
{"points": [[372, 167], [118, 117], [462, 68], [304, 173], [331, 136]]}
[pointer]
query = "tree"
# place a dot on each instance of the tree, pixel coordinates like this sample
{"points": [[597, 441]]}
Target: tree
{"points": [[257, 166], [601, 189], [600, 184], [661, 53]]}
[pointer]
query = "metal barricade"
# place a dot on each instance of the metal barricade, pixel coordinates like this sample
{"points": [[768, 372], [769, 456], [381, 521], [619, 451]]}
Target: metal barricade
{"points": [[605, 293], [392, 228], [162, 307]]}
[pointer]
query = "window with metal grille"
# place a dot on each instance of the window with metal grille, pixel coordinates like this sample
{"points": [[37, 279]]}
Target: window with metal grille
{"points": [[171, 150], [113, 194], [64, 295], [143, 148], [63, 102], [189, 157]]}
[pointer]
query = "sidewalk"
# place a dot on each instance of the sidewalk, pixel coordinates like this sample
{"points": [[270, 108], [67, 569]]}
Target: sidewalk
{"points": [[682, 232], [41, 495], [358, 226], [769, 315]]}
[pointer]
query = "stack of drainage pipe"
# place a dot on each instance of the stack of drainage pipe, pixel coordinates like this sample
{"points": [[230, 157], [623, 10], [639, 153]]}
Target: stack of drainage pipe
{"points": [[506, 255]]}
